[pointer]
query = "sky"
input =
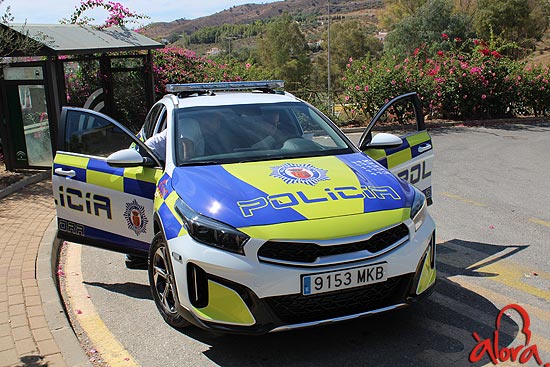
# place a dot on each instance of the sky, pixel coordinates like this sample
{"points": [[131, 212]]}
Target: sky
{"points": [[51, 11]]}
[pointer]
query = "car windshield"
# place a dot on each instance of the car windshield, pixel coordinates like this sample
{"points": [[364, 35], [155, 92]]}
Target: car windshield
{"points": [[241, 133]]}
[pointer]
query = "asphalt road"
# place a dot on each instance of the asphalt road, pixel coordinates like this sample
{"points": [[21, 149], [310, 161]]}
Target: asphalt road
{"points": [[491, 206]]}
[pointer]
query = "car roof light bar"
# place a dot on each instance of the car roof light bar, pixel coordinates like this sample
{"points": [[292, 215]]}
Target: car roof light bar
{"points": [[198, 87]]}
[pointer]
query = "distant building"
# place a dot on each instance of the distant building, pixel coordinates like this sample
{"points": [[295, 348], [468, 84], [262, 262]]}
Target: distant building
{"points": [[213, 51], [381, 36]]}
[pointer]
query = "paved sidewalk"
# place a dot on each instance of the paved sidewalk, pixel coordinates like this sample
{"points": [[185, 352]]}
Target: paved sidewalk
{"points": [[34, 330]]}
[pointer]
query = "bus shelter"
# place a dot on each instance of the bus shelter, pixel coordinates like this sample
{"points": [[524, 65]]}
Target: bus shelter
{"points": [[108, 70]]}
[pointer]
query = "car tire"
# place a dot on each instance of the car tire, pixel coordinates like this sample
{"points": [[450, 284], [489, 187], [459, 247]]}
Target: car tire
{"points": [[162, 282]]}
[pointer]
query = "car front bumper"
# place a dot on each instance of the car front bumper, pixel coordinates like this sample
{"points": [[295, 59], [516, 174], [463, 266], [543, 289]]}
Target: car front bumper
{"points": [[222, 291]]}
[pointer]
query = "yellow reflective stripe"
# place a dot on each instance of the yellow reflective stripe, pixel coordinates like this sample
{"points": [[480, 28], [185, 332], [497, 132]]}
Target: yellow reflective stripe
{"points": [[400, 157], [225, 305], [418, 138], [71, 160], [428, 274], [106, 180], [339, 174], [376, 154], [171, 204], [334, 227], [146, 174], [158, 200]]}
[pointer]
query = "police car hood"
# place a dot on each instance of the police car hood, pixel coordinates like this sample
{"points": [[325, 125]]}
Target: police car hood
{"points": [[279, 191]]}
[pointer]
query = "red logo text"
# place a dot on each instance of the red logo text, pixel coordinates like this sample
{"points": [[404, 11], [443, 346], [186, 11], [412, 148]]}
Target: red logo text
{"points": [[522, 353]]}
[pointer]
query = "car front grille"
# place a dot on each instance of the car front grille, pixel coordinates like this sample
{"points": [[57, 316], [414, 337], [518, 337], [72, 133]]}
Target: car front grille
{"points": [[297, 309], [300, 252]]}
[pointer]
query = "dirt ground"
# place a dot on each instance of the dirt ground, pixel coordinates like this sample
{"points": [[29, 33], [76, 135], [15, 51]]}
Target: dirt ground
{"points": [[7, 178]]}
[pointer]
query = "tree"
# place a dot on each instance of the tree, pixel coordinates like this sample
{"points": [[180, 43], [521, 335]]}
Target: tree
{"points": [[519, 21], [397, 10], [349, 39], [434, 23], [12, 42], [283, 49]]}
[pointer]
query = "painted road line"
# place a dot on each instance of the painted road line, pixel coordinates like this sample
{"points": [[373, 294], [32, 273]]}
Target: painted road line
{"points": [[110, 349], [513, 275], [479, 315], [462, 199], [504, 271], [539, 221], [499, 299]]}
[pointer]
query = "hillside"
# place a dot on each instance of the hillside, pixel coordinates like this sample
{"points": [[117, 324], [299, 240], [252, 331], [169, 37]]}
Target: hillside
{"points": [[250, 13]]}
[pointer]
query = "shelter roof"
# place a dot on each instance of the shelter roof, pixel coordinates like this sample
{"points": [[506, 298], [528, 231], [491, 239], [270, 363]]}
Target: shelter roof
{"points": [[72, 39]]}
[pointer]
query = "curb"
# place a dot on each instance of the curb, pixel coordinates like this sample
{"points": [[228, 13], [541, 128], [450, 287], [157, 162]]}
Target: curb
{"points": [[63, 334], [24, 182], [443, 124]]}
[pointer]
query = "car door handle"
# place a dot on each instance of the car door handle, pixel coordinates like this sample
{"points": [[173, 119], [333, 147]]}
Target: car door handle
{"points": [[61, 172], [424, 147]]}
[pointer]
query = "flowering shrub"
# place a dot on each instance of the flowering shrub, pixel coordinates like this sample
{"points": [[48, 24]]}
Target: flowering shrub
{"points": [[118, 14], [471, 80], [178, 65]]}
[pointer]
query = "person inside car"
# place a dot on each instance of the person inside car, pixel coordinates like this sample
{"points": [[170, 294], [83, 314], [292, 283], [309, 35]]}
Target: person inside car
{"points": [[269, 125]]}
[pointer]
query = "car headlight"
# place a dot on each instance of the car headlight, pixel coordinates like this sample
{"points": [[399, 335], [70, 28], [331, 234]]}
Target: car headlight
{"points": [[418, 208], [211, 232]]}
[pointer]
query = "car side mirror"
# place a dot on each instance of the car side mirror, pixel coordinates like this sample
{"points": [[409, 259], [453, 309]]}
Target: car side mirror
{"points": [[384, 141], [127, 158]]}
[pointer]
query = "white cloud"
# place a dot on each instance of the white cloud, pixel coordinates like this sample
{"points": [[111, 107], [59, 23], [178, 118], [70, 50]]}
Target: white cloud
{"points": [[51, 11]]}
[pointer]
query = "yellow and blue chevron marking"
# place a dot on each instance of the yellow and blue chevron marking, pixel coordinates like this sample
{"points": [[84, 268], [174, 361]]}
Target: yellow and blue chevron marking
{"points": [[139, 181], [165, 206], [408, 150]]}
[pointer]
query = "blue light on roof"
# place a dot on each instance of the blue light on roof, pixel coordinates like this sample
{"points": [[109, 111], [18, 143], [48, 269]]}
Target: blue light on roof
{"points": [[197, 87]]}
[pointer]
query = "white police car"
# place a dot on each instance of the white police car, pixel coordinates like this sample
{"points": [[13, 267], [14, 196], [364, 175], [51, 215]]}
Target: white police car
{"points": [[277, 221]]}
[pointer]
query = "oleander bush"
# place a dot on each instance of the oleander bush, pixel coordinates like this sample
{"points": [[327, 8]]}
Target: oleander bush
{"points": [[471, 80], [178, 65]]}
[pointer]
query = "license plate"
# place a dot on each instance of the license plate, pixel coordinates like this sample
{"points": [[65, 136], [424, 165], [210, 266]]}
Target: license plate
{"points": [[344, 279]]}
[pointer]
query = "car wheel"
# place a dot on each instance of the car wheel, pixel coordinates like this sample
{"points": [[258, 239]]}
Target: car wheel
{"points": [[161, 280]]}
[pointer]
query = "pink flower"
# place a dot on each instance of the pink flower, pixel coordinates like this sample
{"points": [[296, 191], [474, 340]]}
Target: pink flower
{"points": [[248, 65], [444, 36], [485, 51], [483, 96], [475, 70], [440, 53], [366, 88]]}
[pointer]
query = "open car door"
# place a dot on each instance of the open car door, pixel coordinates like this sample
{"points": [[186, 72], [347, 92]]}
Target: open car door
{"points": [[411, 156], [103, 199]]}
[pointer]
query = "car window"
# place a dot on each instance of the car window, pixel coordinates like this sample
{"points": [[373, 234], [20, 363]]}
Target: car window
{"points": [[399, 119], [151, 120], [91, 134], [162, 120], [236, 133]]}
